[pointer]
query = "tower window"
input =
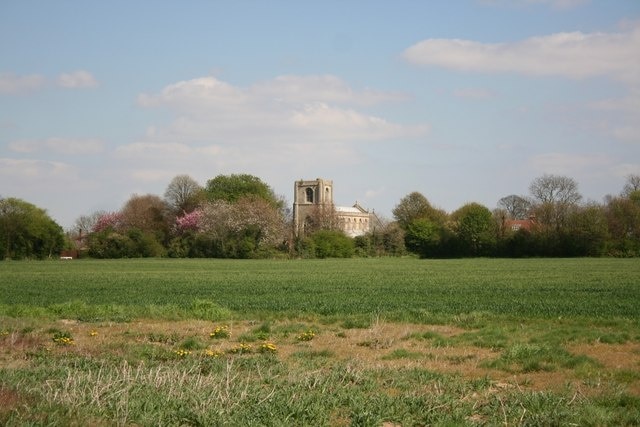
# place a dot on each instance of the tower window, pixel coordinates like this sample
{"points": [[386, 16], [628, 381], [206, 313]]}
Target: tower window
{"points": [[309, 194]]}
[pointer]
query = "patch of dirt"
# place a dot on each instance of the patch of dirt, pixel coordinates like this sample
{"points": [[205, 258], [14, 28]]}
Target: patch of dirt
{"points": [[617, 360], [381, 346], [611, 356], [10, 400]]}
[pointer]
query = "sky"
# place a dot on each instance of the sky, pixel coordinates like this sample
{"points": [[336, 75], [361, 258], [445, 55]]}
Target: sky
{"points": [[464, 101]]}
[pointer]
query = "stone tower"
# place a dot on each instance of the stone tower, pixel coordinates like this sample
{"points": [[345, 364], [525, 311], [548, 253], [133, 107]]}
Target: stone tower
{"points": [[309, 198]]}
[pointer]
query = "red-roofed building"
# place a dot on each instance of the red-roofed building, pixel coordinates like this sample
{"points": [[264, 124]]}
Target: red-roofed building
{"points": [[520, 224]]}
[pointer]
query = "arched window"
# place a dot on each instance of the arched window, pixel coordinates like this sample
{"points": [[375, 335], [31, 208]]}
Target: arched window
{"points": [[309, 194]]}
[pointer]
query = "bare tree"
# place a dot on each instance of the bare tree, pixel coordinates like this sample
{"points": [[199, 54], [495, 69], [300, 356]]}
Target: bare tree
{"points": [[632, 185], [183, 194], [555, 189], [84, 224], [322, 217], [555, 197], [517, 207]]}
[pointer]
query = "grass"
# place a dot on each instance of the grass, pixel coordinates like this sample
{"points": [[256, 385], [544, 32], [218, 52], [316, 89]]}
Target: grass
{"points": [[333, 342], [411, 290]]}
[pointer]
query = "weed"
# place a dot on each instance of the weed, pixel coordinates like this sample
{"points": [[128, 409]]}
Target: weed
{"points": [[458, 360], [191, 343], [212, 353], [314, 354], [356, 323], [535, 357], [306, 336], [63, 338], [220, 332], [182, 353], [402, 353], [268, 347], [241, 348], [159, 337]]}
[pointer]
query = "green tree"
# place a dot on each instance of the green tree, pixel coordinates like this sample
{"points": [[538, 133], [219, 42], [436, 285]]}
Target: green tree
{"points": [[587, 232], [423, 225], [27, 231], [423, 237], [475, 230], [414, 206], [232, 188], [384, 240], [623, 220]]}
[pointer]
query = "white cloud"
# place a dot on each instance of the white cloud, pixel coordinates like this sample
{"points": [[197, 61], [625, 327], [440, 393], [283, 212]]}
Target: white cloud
{"points": [[285, 109], [164, 152], [12, 84], [77, 80], [69, 146], [324, 88], [12, 170], [574, 55]]}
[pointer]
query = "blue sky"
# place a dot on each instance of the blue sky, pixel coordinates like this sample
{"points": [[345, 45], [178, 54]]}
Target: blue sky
{"points": [[464, 101]]}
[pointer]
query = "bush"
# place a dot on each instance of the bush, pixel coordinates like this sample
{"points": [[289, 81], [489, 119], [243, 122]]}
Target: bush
{"points": [[332, 244]]}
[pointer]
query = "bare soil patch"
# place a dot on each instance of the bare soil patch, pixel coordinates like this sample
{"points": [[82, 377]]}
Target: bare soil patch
{"points": [[380, 346]]}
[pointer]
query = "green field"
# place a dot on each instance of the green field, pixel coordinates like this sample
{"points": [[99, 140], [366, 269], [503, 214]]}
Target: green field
{"points": [[400, 289], [387, 341]]}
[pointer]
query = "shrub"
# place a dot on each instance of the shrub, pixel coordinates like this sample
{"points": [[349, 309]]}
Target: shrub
{"points": [[332, 244]]}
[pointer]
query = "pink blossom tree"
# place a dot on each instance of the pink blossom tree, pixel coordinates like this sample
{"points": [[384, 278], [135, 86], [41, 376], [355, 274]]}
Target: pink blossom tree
{"points": [[189, 221], [112, 220]]}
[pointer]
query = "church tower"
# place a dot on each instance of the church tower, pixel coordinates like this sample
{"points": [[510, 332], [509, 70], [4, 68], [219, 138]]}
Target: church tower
{"points": [[310, 197]]}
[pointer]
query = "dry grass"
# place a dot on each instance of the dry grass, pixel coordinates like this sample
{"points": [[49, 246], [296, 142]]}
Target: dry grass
{"points": [[382, 345]]}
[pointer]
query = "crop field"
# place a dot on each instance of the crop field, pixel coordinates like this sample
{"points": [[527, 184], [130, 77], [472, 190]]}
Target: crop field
{"points": [[388, 342]]}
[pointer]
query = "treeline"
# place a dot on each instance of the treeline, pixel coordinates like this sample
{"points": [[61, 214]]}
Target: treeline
{"points": [[551, 221], [240, 216]]}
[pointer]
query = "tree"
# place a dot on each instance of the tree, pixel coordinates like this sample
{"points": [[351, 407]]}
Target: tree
{"points": [[385, 239], [423, 225], [517, 207], [245, 229], [423, 237], [632, 185], [183, 194], [84, 224], [321, 217], [414, 206], [554, 198], [555, 189], [27, 231], [623, 220], [475, 229], [587, 232], [231, 188], [146, 213]]}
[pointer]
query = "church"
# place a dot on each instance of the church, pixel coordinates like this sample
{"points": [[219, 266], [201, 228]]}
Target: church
{"points": [[313, 201]]}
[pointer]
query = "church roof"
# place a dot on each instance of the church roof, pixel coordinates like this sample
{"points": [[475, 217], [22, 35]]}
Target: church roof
{"points": [[347, 209], [355, 209]]}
